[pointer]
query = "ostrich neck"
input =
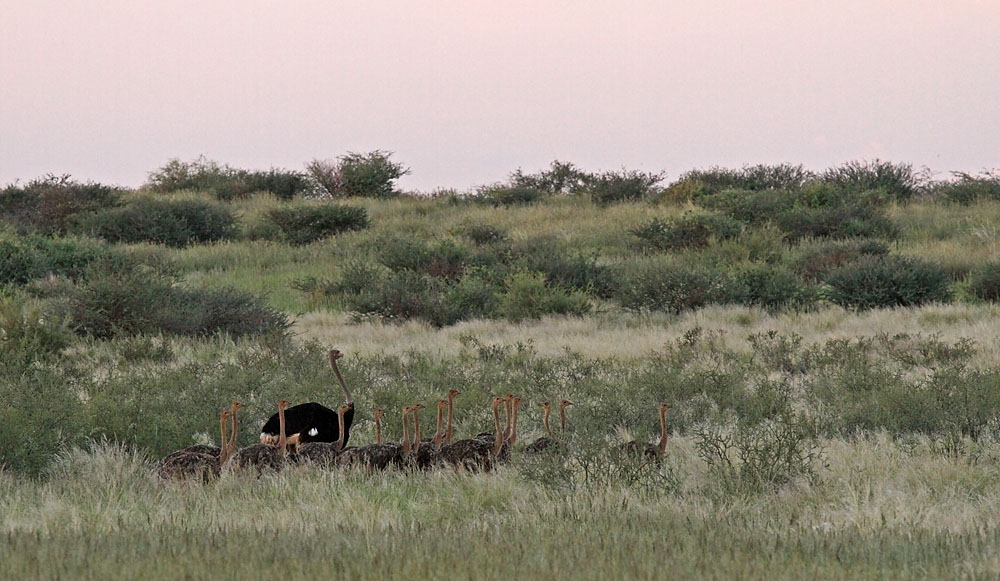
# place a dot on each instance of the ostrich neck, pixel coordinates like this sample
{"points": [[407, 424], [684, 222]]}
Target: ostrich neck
{"points": [[416, 429], [499, 436], [339, 444], [507, 414], [513, 430], [340, 378], [406, 436], [545, 420], [562, 418], [224, 441], [282, 440], [378, 430], [663, 431], [447, 430], [232, 438]]}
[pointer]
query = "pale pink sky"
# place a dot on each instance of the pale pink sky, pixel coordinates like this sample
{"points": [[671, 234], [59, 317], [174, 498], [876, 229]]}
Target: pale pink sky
{"points": [[466, 91]]}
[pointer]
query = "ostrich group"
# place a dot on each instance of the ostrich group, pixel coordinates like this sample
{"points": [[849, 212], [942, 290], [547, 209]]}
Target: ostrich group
{"points": [[311, 433]]}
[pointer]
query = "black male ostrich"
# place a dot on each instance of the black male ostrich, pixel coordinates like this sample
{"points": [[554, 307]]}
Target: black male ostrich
{"points": [[312, 422], [651, 451]]}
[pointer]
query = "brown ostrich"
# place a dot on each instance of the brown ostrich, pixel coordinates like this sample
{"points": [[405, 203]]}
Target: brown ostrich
{"points": [[201, 462], [651, 451], [545, 442], [452, 393], [428, 454], [263, 457], [326, 453], [475, 454], [562, 413], [380, 456]]}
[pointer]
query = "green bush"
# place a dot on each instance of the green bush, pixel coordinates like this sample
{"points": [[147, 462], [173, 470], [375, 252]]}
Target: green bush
{"points": [[482, 234], [576, 271], [528, 296], [887, 281], [692, 231], [623, 186], [770, 287], [846, 220], [445, 259], [48, 205], [966, 188], [984, 281], [207, 311], [175, 223], [401, 296], [816, 259], [749, 206], [225, 182], [27, 335], [304, 224], [898, 181], [370, 175], [560, 178], [509, 195], [751, 178], [672, 288], [26, 258], [282, 184]]}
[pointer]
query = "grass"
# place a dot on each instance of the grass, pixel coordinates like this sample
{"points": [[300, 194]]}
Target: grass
{"points": [[879, 509]]}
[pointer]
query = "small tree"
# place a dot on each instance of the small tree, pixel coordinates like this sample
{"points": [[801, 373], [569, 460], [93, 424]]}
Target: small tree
{"points": [[358, 174]]}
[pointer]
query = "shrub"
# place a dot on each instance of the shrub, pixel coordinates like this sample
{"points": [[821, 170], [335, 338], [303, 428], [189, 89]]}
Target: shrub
{"points": [[573, 271], [200, 174], [692, 231], [27, 335], [984, 281], [623, 186], [206, 311], [446, 259], [897, 180], [404, 295], [175, 223], [529, 297], [26, 258], [887, 281], [817, 259], [847, 220], [560, 178], [482, 234], [966, 188], [770, 287], [750, 178], [304, 224], [508, 195], [20, 261], [672, 288], [282, 184], [49, 204], [357, 174], [748, 206]]}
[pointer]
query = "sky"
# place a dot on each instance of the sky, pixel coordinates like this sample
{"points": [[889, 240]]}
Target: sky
{"points": [[464, 92]]}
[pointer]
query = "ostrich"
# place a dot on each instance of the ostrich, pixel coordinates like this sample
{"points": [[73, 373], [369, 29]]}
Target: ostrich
{"points": [[562, 414], [451, 408], [651, 451], [428, 456], [379, 455], [476, 453], [265, 456], [313, 422], [193, 461], [545, 442]]}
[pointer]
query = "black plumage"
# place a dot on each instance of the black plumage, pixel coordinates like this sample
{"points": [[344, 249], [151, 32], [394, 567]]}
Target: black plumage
{"points": [[312, 422]]}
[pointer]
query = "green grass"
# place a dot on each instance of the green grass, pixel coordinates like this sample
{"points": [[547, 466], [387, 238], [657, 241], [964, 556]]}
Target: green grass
{"points": [[879, 510]]}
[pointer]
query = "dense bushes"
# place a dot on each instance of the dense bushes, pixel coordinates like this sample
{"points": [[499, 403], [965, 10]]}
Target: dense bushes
{"points": [[897, 180], [887, 281], [308, 223], [672, 288], [174, 223], [966, 188], [370, 174], [623, 186], [26, 258], [48, 205], [984, 282], [697, 183], [224, 182], [695, 231]]}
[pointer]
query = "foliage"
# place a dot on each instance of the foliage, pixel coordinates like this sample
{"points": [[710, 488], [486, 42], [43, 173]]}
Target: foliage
{"points": [[371, 174], [175, 223], [49, 204], [560, 178], [621, 186], [27, 258], [307, 223], [27, 335], [965, 188], [750, 178], [770, 287], [529, 297], [887, 281], [509, 195], [672, 288], [897, 180], [690, 231], [225, 182], [984, 281], [815, 259]]}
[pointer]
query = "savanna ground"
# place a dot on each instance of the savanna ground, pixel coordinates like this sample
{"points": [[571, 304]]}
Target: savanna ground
{"points": [[810, 437]]}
